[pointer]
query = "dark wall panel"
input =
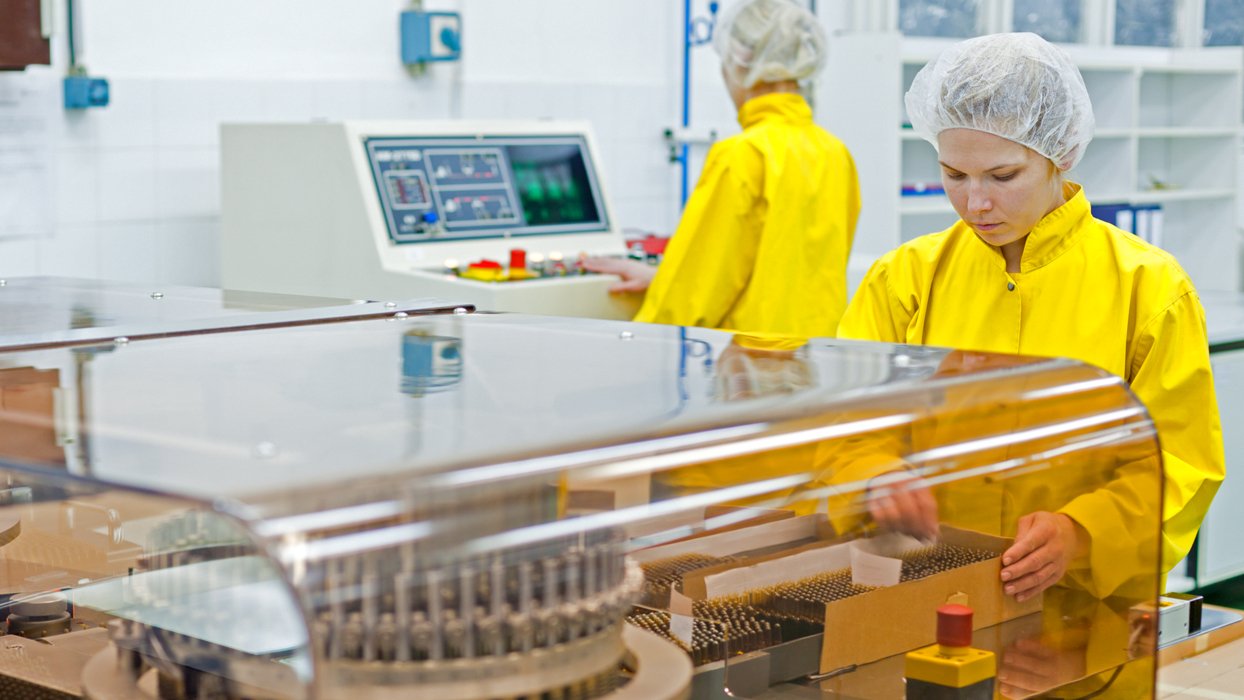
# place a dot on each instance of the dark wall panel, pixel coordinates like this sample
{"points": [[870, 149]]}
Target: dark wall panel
{"points": [[21, 38]]}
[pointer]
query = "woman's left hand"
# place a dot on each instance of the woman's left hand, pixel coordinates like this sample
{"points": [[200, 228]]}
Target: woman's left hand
{"points": [[636, 276], [1045, 545]]}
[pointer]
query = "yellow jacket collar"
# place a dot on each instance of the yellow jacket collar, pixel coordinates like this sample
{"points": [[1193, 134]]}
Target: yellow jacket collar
{"points": [[786, 106], [1054, 234]]}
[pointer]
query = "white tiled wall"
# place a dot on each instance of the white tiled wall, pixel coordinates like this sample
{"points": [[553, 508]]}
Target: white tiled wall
{"points": [[134, 187]]}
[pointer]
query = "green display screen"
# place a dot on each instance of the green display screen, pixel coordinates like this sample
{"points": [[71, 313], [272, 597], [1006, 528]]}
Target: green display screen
{"points": [[552, 183]]}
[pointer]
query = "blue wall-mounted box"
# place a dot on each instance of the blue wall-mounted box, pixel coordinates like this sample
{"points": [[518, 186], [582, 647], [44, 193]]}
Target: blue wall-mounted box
{"points": [[82, 91], [431, 36]]}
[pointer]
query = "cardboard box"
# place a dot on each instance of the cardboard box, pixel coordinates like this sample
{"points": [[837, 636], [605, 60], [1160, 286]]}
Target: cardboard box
{"points": [[698, 584], [732, 533], [895, 619], [900, 618]]}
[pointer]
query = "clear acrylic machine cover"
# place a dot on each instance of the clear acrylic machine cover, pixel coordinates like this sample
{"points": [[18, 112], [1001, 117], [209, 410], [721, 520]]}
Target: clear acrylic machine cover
{"points": [[495, 506]]}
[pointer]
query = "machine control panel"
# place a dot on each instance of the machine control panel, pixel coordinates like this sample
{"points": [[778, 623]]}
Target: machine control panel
{"points": [[459, 188]]}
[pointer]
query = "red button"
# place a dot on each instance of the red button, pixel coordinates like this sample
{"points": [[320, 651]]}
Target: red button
{"points": [[954, 625]]}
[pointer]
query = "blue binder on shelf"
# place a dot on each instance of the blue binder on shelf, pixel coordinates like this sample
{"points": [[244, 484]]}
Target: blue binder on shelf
{"points": [[1142, 220]]}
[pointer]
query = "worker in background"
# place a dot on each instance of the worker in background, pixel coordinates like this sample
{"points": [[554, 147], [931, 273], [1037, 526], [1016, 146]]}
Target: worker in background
{"points": [[1028, 270], [764, 239]]}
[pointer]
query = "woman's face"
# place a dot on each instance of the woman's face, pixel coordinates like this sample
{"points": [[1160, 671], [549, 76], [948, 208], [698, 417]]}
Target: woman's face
{"points": [[998, 187]]}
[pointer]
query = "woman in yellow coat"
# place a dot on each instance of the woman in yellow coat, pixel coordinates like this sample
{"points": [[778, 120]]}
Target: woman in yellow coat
{"points": [[1028, 270], [764, 239]]}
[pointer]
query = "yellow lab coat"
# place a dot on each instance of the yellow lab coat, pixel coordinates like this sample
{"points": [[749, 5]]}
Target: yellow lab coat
{"points": [[1092, 292], [763, 242]]}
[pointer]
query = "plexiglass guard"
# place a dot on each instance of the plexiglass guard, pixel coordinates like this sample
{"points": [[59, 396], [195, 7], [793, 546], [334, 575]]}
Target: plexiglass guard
{"points": [[506, 506]]}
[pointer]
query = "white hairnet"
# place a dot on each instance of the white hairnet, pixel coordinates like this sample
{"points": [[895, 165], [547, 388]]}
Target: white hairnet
{"points": [[1017, 86], [768, 41]]}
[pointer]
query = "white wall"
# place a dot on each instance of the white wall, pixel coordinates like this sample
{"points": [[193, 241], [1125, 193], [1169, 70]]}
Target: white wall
{"points": [[134, 191]]}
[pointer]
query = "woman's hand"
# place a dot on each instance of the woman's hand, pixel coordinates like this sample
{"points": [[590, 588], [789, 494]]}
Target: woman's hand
{"points": [[897, 502], [1045, 545], [636, 276]]}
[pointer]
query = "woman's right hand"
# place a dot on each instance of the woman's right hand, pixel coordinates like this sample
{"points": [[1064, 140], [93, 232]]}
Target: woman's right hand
{"points": [[897, 502], [636, 276]]}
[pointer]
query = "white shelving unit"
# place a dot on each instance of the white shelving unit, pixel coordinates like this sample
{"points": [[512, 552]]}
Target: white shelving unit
{"points": [[1168, 133]]}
